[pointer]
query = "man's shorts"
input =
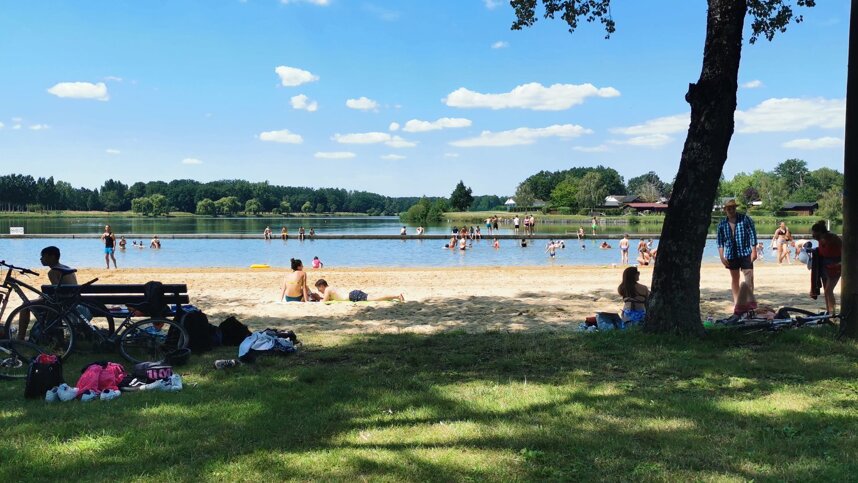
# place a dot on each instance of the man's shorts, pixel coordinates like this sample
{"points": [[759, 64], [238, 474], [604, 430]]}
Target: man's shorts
{"points": [[743, 263], [108, 251], [357, 296]]}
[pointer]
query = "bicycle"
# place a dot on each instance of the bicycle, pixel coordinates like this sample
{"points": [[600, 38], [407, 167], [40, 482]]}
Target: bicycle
{"points": [[15, 357], [63, 323]]}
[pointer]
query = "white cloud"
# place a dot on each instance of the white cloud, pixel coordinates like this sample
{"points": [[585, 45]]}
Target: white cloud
{"points": [[592, 149], [451, 155], [416, 125], [293, 76], [394, 126], [282, 136], [192, 161], [113, 78], [16, 126], [321, 3], [362, 104], [382, 13], [491, 4], [522, 135], [373, 138], [818, 143], [1, 125], [362, 138], [114, 152], [81, 90], [304, 103], [660, 125], [534, 95], [39, 127], [393, 157], [647, 140], [500, 44], [398, 142], [754, 84], [790, 115], [334, 155]]}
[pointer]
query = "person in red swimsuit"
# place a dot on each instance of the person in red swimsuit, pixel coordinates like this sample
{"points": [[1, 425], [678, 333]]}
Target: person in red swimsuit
{"points": [[830, 248]]}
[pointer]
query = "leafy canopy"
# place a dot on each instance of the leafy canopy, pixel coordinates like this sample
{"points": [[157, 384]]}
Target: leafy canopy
{"points": [[768, 17]]}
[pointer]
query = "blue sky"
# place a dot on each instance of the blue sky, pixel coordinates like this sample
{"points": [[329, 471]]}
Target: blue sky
{"points": [[398, 97]]}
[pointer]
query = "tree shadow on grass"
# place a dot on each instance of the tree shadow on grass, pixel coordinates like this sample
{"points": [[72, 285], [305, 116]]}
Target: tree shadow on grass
{"points": [[531, 405]]}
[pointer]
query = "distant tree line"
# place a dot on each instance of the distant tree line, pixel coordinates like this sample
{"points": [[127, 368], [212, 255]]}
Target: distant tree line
{"points": [[25, 193]]}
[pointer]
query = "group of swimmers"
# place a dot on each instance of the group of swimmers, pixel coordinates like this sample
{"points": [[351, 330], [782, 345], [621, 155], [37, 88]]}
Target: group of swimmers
{"points": [[267, 234], [294, 289], [111, 244]]}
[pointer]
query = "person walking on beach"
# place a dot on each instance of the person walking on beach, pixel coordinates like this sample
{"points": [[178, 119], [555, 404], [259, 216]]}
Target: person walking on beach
{"points": [[294, 286], [332, 294], [737, 242], [782, 238], [624, 249], [109, 240], [830, 250]]}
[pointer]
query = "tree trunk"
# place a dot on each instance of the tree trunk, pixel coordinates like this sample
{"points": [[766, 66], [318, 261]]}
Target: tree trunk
{"points": [[849, 284], [674, 305]]}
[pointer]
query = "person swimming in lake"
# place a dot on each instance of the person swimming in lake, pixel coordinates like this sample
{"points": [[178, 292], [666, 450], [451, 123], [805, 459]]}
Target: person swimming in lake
{"points": [[605, 245], [495, 243], [122, 243], [294, 286]]}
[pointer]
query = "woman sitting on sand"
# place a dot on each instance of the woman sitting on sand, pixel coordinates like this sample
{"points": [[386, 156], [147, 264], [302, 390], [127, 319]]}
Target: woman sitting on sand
{"points": [[634, 296], [294, 288]]}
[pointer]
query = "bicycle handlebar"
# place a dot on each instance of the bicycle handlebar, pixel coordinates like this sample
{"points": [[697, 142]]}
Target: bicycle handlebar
{"points": [[23, 270]]}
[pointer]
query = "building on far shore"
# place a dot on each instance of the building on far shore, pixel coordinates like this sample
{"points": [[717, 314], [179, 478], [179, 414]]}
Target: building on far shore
{"points": [[802, 208], [511, 205], [644, 208], [617, 201]]}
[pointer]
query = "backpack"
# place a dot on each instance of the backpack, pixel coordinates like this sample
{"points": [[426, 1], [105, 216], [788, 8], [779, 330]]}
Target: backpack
{"points": [[45, 372], [201, 334], [233, 331]]}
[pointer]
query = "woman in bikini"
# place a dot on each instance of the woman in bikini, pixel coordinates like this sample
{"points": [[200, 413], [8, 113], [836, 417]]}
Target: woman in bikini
{"points": [[782, 238], [634, 296], [294, 288]]}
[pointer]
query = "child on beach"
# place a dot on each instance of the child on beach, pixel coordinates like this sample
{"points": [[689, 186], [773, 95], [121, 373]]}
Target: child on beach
{"points": [[331, 294]]}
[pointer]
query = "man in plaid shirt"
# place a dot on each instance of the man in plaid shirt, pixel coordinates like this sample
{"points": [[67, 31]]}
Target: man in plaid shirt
{"points": [[737, 242]]}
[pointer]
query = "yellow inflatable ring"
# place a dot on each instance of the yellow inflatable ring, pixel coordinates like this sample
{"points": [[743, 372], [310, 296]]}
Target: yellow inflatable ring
{"points": [[260, 265]]}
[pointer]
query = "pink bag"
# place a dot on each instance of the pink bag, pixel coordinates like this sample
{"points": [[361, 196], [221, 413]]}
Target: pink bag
{"points": [[98, 378]]}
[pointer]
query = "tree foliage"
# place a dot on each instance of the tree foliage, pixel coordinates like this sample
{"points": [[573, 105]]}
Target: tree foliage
{"points": [[425, 212], [461, 197]]}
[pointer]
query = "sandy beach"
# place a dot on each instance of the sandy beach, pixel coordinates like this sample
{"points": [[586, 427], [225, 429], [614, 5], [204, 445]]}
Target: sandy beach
{"points": [[470, 299]]}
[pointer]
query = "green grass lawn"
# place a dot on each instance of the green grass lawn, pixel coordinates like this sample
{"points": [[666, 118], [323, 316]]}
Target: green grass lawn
{"points": [[544, 406]]}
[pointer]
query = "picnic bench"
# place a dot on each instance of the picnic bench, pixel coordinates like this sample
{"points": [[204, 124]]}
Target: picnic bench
{"points": [[128, 300]]}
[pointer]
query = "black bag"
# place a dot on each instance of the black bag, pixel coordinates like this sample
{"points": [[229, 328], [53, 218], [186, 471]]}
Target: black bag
{"points": [[46, 372], [233, 332], [201, 334]]}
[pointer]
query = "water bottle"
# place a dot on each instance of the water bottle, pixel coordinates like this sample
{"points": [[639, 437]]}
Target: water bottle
{"points": [[709, 321]]}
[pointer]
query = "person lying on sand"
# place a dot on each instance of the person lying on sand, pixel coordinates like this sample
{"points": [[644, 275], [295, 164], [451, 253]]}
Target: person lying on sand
{"points": [[331, 294]]}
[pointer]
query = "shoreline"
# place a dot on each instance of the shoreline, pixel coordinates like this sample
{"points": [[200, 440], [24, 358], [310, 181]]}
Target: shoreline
{"points": [[437, 299]]}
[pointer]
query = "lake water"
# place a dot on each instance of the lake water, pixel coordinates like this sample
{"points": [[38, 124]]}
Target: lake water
{"points": [[88, 253]]}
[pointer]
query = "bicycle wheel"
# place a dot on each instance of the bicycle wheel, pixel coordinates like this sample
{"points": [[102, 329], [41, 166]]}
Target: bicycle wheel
{"points": [[48, 328], [151, 340], [15, 357]]}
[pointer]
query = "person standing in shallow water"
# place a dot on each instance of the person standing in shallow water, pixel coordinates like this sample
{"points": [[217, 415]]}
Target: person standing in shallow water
{"points": [[109, 240]]}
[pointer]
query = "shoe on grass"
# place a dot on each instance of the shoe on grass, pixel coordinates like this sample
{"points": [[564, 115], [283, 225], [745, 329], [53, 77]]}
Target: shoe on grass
{"points": [[226, 363], [51, 395], [66, 393], [108, 394], [89, 395]]}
